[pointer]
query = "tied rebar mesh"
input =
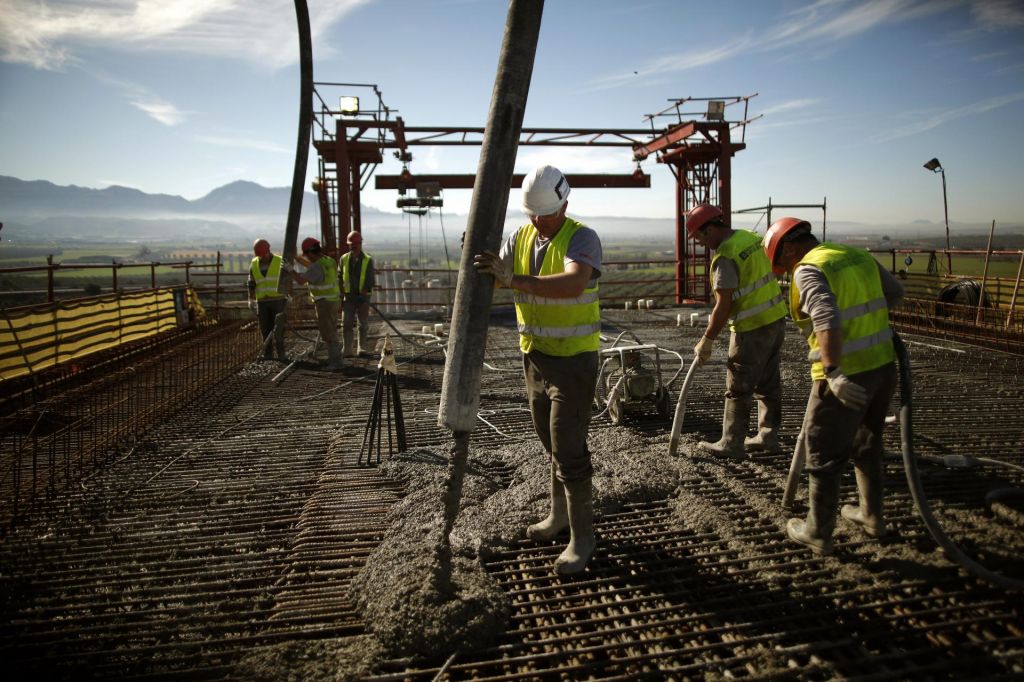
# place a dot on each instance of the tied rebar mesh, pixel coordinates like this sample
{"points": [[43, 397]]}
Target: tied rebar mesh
{"points": [[234, 531]]}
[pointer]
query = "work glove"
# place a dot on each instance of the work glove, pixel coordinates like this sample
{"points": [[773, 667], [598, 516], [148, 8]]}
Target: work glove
{"points": [[488, 263], [850, 394], [287, 267], [252, 304], [702, 351]]}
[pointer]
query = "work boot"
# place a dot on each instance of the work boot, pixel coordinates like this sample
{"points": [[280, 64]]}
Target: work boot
{"points": [[582, 542], [334, 361], [815, 532], [769, 416], [870, 489], [349, 344], [558, 518], [734, 425]]}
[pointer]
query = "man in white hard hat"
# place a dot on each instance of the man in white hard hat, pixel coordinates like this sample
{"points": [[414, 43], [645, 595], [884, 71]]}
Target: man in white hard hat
{"points": [[552, 265]]}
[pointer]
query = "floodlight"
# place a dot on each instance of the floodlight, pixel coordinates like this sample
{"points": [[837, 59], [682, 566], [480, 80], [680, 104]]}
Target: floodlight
{"points": [[349, 105], [934, 166], [716, 110]]}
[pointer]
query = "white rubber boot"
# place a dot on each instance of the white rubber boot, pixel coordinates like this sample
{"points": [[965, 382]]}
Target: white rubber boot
{"points": [[581, 522], [558, 518]]}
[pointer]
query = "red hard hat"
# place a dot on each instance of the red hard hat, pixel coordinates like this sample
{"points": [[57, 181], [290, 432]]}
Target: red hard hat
{"points": [[777, 233], [699, 216], [310, 244], [261, 247], [355, 238]]}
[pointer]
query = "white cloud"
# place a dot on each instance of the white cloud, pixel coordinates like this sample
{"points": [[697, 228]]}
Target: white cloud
{"points": [[934, 119], [791, 105], [243, 143], [822, 23], [47, 33], [674, 63], [162, 111], [996, 15]]}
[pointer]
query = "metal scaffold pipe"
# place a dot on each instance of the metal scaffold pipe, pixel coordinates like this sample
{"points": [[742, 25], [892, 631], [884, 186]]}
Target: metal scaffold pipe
{"points": [[460, 388]]}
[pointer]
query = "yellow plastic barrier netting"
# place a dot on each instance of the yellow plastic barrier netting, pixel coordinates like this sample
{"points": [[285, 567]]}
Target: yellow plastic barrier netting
{"points": [[38, 337]]}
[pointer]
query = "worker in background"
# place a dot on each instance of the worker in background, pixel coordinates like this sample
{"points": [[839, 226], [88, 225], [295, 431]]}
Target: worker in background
{"points": [[749, 300], [552, 265], [839, 297], [321, 276], [264, 273], [357, 280]]}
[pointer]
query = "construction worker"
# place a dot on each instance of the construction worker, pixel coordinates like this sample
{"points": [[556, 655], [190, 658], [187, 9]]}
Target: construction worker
{"points": [[264, 273], [839, 297], [357, 280], [749, 300], [552, 265], [321, 276]]}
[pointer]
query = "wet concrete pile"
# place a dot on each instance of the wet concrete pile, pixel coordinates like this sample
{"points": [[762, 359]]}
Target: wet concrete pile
{"points": [[408, 600]]}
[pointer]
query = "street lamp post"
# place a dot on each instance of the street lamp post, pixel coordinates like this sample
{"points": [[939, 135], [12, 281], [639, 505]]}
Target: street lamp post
{"points": [[935, 167]]}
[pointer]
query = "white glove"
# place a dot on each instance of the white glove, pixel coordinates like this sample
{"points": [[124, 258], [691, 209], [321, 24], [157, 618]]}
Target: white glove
{"points": [[287, 267], [850, 394], [252, 304], [489, 264], [703, 349]]}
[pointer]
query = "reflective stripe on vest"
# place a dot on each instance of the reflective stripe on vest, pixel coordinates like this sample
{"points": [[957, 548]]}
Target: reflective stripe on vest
{"points": [[852, 274], [266, 285], [364, 266], [758, 301], [327, 289], [555, 326]]}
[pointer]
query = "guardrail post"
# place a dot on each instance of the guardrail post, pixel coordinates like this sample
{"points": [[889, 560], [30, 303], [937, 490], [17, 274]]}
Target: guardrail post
{"points": [[49, 278]]}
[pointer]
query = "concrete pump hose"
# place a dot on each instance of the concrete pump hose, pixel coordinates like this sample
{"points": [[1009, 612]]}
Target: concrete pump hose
{"points": [[677, 420], [917, 492]]}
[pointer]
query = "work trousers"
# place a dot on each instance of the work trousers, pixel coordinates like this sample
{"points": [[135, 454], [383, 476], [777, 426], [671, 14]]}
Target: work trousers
{"points": [[267, 310], [561, 394], [835, 432], [356, 308], [327, 320], [753, 364]]}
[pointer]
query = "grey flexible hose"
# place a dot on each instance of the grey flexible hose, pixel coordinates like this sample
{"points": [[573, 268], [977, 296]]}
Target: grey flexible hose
{"points": [[917, 491]]}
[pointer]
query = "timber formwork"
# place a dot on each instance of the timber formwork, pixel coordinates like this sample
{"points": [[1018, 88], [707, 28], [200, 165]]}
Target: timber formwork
{"points": [[237, 527]]}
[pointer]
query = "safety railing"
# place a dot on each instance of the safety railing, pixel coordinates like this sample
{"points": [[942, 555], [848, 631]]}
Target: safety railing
{"points": [[34, 338]]}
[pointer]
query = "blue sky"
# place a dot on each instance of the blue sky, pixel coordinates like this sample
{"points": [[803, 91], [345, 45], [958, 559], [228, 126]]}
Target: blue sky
{"points": [[182, 96]]}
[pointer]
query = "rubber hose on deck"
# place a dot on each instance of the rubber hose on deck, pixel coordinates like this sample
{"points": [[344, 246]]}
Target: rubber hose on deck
{"points": [[917, 491]]}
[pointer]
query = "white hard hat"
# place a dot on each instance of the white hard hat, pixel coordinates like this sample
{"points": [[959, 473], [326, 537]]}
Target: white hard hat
{"points": [[545, 191]]}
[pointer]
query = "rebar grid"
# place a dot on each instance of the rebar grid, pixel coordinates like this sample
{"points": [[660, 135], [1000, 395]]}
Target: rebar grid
{"points": [[59, 440], [239, 526]]}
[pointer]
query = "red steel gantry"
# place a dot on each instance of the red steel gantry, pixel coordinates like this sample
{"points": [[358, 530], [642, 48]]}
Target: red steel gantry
{"points": [[350, 140]]}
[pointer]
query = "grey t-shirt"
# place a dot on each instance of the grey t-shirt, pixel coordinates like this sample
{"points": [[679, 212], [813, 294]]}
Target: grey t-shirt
{"points": [[314, 274], [725, 274], [819, 303], [584, 247]]}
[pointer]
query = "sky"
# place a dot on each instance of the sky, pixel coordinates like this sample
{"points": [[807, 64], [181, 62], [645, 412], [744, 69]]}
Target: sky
{"points": [[853, 97]]}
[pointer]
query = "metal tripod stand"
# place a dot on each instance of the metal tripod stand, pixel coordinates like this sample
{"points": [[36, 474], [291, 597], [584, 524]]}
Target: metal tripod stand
{"points": [[386, 407]]}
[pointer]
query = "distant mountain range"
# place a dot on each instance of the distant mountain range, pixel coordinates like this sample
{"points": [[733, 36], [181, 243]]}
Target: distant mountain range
{"points": [[20, 199], [40, 211]]}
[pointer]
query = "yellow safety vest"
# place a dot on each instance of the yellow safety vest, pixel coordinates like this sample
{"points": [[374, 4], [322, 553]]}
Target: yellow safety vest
{"points": [[362, 272], [852, 274], [266, 285], [327, 289], [555, 326], [758, 300]]}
